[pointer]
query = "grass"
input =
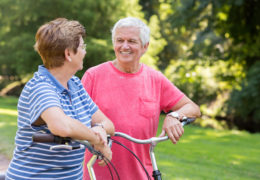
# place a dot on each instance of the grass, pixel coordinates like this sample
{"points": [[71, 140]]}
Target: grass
{"points": [[210, 154], [201, 154], [8, 125]]}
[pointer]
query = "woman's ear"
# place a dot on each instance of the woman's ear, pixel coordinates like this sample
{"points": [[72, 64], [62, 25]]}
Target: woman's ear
{"points": [[67, 55]]}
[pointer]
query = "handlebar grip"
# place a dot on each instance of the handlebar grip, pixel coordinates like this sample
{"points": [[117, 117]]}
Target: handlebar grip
{"points": [[186, 121], [40, 137]]}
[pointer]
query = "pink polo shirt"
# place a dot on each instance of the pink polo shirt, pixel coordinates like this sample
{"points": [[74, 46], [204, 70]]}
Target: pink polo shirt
{"points": [[133, 102]]}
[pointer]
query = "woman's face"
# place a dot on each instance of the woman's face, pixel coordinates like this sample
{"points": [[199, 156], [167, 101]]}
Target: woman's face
{"points": [[128, 45], [77, 58]]}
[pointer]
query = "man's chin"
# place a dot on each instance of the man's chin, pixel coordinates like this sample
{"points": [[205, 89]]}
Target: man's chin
{"points": [[126, 59]]}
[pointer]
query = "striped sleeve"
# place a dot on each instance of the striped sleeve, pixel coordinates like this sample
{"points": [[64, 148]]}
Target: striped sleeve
{"points": [[41, 97]]}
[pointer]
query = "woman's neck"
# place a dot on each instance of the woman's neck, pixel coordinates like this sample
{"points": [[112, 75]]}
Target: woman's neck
{"points": [[61, 75]]}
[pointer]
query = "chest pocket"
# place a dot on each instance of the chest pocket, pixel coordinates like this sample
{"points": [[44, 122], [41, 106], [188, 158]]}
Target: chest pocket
{"points": [[147, 107]]}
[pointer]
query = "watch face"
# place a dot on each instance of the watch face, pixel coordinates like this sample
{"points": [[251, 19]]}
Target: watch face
{"points": [[174, 114]]}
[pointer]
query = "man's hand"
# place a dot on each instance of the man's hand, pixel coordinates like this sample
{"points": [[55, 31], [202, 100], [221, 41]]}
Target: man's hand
{"points": [[102, 146], [173, 128]]}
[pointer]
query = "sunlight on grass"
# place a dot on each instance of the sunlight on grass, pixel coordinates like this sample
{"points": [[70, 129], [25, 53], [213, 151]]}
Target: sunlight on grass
{"points": [[220, 133], [191, 138], [240, 157], [2, 124], [8, 112], [165, 163], [235, 162], [185, 141]]}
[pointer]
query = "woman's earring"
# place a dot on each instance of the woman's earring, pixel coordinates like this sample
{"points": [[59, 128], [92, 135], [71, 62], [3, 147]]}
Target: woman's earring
{"points": [[69, 59]]}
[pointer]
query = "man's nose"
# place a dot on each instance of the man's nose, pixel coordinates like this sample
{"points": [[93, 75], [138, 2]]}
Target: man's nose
{"points": [[125, 44]]}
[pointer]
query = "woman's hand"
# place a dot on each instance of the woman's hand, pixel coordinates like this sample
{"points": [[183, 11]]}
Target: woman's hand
{"points": [[102, 145]]}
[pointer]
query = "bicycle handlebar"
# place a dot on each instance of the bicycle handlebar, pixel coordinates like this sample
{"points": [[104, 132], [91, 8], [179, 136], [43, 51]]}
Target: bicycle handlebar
{"points": [[62, 141], [50, 138], [152, 140]]}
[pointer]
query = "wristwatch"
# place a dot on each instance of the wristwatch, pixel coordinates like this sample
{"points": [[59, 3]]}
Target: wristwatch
{"points": [[98, 124], [174, 114]]}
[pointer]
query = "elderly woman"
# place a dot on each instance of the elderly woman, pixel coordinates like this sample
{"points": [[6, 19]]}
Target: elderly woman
{"points": [[133, 95], [54, 101]]}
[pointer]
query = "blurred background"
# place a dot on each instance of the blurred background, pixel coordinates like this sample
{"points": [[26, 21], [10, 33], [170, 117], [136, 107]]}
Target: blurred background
{"points": [[209, 49]]}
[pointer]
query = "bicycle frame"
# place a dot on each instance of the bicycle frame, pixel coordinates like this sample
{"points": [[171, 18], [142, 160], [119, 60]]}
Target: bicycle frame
{"points": [[152, 141]]}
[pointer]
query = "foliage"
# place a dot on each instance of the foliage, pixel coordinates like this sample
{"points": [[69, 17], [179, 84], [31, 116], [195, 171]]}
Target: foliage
{"points": [[20, 20], [201, 80], [244, 107], [156, 44], [215, 29], [211, 31]]}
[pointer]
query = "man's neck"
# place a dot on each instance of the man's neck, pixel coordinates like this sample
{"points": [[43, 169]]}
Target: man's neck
{"points": [[127, 68]]}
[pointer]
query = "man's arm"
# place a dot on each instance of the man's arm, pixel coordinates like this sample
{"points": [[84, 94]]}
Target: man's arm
{"points": [[172, 126], [100, 119]]}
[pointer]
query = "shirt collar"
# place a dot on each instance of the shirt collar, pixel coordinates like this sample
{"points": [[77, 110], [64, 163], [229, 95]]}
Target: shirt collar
{"points": [[71, 84]]}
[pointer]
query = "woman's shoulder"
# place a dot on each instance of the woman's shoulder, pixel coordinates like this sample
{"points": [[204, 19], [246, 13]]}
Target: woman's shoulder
{"points": [[37, 80], [38, 83]]}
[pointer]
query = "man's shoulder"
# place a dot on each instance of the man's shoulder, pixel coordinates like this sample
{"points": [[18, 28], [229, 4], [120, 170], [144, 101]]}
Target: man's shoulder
{"points": [[152, 72]]}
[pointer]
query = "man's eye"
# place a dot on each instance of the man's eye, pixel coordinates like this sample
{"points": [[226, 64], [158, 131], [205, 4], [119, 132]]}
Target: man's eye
{"points": [[132, 41]]}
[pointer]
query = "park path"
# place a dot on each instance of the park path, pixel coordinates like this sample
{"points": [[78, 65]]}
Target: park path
{"points": [[4, 162]]}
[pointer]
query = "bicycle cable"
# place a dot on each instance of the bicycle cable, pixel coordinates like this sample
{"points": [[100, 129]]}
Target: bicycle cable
{"points": [[107, 165], [113, 166], [117, 142]]}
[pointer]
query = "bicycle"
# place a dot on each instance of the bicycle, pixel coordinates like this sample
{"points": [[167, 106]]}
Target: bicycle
{"points": [[63, 143]]}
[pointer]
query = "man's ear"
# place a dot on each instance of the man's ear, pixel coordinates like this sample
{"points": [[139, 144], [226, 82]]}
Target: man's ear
{"points": [[67, 54], [145, 47]]}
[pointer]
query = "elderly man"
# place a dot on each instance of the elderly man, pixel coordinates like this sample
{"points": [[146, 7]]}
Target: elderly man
{"points": [[133, 95]]}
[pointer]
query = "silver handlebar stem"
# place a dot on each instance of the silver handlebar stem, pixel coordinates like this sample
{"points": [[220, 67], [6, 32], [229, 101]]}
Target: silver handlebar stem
{"points": [[152, 141]]}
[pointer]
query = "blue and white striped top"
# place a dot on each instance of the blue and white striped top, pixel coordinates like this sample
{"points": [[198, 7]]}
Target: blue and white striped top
{"points": [[35, 160]]}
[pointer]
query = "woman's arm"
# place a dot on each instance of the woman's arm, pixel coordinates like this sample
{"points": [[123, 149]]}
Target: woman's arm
{"points": [[62, 125]]}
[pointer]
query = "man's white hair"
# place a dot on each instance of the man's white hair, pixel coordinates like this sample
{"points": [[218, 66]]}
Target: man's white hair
{"points": [[133, 22]]}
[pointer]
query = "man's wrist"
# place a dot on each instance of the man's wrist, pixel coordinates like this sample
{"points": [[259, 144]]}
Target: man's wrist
{"points": [[177, 115], [174, 114]]}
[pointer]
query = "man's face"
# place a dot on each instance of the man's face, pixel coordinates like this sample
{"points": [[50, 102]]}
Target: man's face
{"points": [[127, 45]]}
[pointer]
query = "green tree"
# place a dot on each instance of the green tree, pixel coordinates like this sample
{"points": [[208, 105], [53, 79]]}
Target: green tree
{"points": [[20, 20], [213, 31]]}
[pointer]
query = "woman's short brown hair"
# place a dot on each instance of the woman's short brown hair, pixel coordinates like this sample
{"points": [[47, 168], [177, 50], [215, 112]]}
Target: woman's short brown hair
{"points": [[54, 37]]}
